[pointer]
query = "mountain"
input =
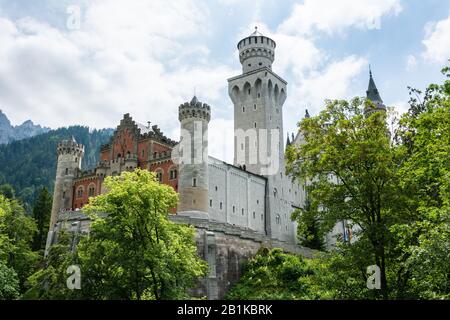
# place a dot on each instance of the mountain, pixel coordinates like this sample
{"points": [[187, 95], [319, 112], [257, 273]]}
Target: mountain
{"points": [[30, 163], [9, 133]]}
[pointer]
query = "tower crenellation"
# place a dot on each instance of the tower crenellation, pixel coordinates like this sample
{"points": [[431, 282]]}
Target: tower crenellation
{"points": [[256, 51]]}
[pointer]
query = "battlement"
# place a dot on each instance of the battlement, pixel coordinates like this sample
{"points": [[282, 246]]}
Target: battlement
{"points": [[256, 51], [194, 109], [70, 146]]}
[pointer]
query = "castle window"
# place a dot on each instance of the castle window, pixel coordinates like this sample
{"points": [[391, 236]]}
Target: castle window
{"points": [[259, 95], [254, 106], [243, 109], [260, 63], [154, 155], [194, 182], [216, 188], [173, 174], [76, 159], [210, 203], [221, 206], [234, 209], [249, 64], [254, 124], [257, 201], [278, 219], [67, 171], [242, 211], [262, 217], [159, 175], [143, 152], [64, 194], [91, 191], [80, 192], [254, 214], [249, 89]]}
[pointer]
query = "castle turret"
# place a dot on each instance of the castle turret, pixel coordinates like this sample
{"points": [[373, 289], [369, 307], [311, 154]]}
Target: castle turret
{"points": [[256, 51], [70, 153], [258, 95], [373, 95], [193, 179]]}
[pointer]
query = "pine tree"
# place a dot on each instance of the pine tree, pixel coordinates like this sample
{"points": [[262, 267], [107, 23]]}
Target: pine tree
{"points": [[41, 213]]}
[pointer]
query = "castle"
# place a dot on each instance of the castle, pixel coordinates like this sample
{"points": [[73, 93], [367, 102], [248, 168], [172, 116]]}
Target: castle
{"points": [[235, 208]]}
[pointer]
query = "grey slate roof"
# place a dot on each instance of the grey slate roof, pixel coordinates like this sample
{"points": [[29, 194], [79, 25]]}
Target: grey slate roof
{"points": [[372, 91]]}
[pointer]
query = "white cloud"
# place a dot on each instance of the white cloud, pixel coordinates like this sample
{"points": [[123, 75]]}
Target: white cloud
{"points": [[333, 82], [411, 62], [144, 60], [437, 41], [332, 16]]}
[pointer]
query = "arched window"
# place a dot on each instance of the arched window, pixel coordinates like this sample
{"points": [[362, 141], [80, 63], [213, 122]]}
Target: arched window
{"points": [[159, 175], [80, 192], [173, 173], [278, 219], [91, 190], [67, 171]]}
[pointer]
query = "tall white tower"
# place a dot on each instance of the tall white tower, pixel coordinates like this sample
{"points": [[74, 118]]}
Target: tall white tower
{"points": [[193, 178], [258, 95]]}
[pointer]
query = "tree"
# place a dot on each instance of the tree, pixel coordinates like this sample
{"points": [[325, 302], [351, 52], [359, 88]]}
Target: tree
{"points": [[423, 242], [308, 229], [16, 234], [351, 165], [9, 283], [132, 252], [8, 191], [49, 282], [273, 275], [41, 213]]}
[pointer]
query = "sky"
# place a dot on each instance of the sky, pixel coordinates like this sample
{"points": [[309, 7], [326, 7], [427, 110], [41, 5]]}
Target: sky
{"points": [[67, 62]]}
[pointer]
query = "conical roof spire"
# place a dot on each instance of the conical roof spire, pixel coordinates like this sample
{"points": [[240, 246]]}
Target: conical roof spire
{"points": [[372, 91], [307, 114], [194, 101]]}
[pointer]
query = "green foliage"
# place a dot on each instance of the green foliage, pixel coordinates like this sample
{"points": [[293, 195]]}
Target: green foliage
{"points": [[41, 213], [273, 275], [9, 283], [423, 243], [16, 234], [349, 164], [135, 252], [309, 232], [30, 164], [49, 282], [8, 191], [395, 192]]}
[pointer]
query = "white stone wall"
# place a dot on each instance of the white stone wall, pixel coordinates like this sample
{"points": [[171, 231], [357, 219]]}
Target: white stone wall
{"points": [[236, 197]]}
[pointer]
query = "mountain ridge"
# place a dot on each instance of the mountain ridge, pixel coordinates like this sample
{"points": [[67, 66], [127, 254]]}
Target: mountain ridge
{"points": [[10, 133]]}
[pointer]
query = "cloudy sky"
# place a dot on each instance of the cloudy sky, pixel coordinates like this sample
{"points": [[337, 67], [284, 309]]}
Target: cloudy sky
{"points": [[147, 57]]}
